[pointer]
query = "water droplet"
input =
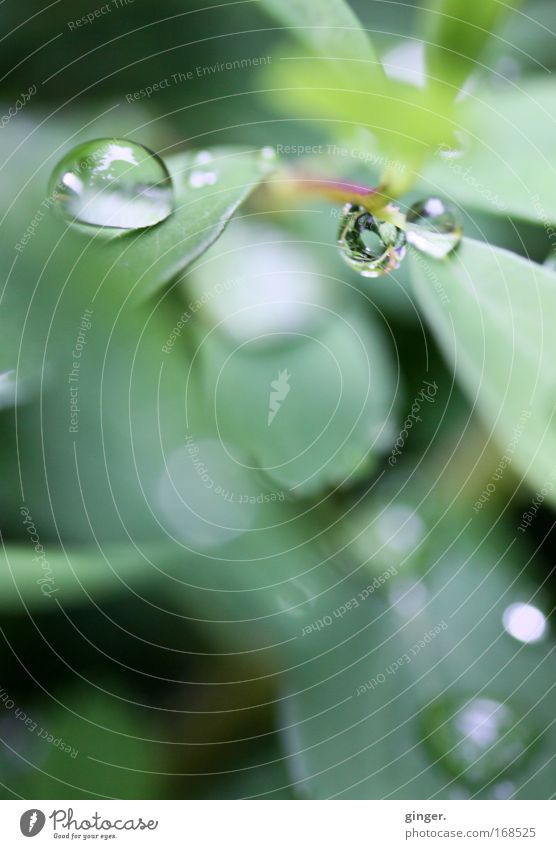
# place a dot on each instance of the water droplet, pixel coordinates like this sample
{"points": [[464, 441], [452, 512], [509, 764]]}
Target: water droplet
{"points": [[369, 245], [198, 179], [112, 183], [477, 739], [504, 790], [524, 622], [434, 227], [17, 388], [408, 598]]}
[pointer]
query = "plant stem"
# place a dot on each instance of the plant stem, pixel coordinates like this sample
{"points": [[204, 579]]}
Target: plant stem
{"points": [[376, 199]]}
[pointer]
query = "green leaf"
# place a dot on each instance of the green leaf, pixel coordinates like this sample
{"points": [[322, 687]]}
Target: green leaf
{"points": [[408, 121], [457, 32], [504, 160], [209, 187], [492, 313], [361, 720], [329, 30]]}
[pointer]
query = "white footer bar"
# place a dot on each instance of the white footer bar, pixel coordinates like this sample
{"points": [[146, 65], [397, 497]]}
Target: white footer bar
{"points": [[279, 824]]}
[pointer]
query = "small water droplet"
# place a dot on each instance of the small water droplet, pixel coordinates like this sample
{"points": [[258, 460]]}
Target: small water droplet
{"points": [[434, 227], [400, 528], [369, 245], [406, 62], [477, 739], [524, 622], [198, 179], [112, 183], [204, 497]]}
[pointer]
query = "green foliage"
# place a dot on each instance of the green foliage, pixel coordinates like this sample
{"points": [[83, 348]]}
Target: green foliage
{"points": [[254, 523], [360, 721]]}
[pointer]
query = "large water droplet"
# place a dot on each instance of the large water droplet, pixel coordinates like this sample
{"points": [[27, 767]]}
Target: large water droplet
{"points": [[112, 183], [477, 739], [434, 227], [369, 245]]}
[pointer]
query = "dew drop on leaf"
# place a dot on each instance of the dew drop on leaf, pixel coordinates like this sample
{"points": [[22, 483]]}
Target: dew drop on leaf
{"points": [[477, 739], [113, 183], [434, 227], [370, 246], [203, 157]]}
